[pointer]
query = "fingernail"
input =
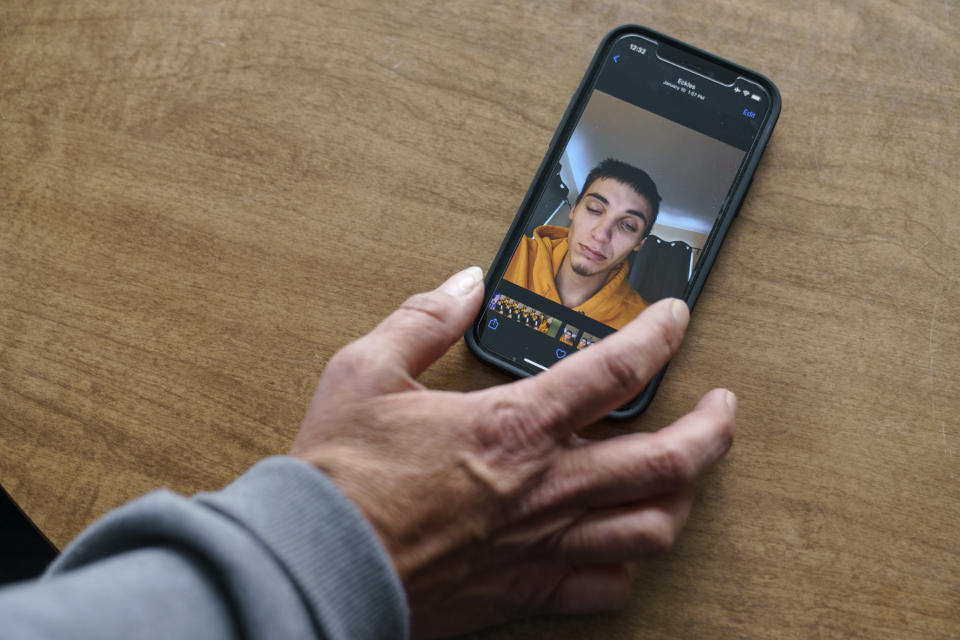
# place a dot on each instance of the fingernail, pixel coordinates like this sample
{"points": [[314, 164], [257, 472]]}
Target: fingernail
{"points": [[731, 399], [680, 310], [460, 284]]}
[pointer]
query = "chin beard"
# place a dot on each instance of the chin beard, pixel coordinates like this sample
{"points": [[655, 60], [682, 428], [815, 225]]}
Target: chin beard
{"points": [[581, 270]]}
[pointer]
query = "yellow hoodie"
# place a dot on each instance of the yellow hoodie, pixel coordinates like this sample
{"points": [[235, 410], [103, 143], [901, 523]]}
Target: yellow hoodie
{"points": [[535, 264]]}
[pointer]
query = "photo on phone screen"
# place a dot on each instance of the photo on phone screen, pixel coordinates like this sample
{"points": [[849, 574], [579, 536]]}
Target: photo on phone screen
{"points": [[630, 199]]}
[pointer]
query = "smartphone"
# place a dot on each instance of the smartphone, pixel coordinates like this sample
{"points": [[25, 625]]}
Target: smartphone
{"points": [[634, 197]]}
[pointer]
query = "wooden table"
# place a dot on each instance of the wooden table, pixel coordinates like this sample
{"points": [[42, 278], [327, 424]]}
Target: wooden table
{"points": [[201, 201]]}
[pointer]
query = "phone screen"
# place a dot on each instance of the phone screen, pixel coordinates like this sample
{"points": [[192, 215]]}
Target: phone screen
{"points": [[640, 177]]}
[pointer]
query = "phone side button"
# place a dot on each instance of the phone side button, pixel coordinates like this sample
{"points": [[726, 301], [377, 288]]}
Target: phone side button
{"points": [[749, 184]]}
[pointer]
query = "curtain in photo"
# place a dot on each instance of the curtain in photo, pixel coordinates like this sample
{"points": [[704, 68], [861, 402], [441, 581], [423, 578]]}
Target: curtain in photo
{"points": [[661, 269]]}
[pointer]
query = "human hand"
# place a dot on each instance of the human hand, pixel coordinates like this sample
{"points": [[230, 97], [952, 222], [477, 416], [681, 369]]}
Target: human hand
{"points": [[489, 504]]}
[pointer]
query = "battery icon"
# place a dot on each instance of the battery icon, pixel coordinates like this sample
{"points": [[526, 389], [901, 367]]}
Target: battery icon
{"points": [[755, 97]]}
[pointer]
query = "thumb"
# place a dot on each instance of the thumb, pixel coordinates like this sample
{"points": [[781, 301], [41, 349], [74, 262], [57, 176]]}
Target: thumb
{"points": [[426, 325]]}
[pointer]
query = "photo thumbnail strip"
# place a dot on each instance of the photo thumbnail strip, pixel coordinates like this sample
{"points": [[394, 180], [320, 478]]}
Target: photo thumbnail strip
{"points": [[525, 315]]}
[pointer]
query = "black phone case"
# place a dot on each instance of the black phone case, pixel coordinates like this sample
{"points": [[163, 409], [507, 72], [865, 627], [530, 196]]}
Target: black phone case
{"points": [[729, 209]]}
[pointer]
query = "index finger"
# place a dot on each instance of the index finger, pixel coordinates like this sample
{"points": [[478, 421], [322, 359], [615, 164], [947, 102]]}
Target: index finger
{"points": [[590, 384]]}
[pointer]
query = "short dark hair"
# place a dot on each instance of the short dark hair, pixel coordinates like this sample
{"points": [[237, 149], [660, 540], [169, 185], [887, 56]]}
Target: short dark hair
{"points": [[636, 179]]}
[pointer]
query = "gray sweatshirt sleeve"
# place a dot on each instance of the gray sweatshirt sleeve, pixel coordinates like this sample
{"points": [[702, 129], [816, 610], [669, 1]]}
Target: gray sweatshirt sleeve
{"points": [[280, 553]]}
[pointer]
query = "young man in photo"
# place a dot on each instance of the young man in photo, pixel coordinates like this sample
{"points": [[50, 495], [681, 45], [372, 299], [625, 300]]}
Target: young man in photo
{"points": [[584, 267]]}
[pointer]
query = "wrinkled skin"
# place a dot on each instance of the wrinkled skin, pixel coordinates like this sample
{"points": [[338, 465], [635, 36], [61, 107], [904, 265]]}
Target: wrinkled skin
{"points": [[488, 503]]}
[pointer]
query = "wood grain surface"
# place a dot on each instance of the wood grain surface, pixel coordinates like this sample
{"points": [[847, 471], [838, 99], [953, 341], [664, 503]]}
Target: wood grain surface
{"points": [[200, 202]]}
